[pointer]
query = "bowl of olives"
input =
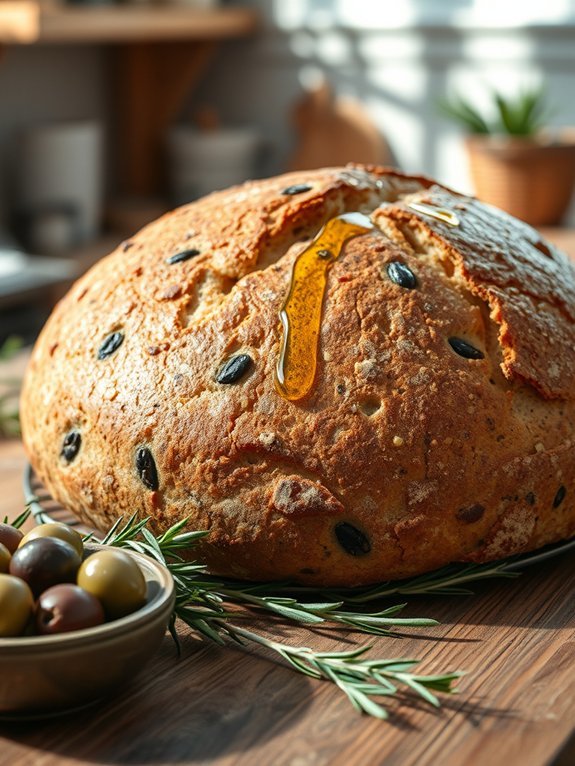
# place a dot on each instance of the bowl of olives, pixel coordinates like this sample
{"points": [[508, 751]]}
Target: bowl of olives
{"points": [[76, 620]]}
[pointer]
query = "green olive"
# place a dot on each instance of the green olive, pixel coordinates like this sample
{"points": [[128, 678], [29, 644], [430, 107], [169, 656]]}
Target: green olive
{"points": [[116, 581], [16, 605], [60, 532], [4, 558]]}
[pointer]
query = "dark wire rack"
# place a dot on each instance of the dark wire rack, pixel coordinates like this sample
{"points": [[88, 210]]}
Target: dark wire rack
{"points": [[44, 508]]}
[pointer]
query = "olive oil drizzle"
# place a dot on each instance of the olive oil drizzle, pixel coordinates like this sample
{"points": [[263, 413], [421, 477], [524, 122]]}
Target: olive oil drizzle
{"points": [[301, 312], [439, 213]]}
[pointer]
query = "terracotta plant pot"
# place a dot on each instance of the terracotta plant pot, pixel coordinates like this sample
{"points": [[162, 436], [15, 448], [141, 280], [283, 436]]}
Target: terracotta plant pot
{"points": [[531, 178]]}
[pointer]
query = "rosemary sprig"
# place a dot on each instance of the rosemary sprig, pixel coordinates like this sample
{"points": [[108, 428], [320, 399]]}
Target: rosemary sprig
{"points": [[442, 582], [201, 604], [9, 416], [358, 678], [10, 347], [19, 520]]}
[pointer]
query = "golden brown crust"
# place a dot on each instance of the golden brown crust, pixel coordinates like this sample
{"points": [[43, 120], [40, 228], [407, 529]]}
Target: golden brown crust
{"points": [[404, 457]]}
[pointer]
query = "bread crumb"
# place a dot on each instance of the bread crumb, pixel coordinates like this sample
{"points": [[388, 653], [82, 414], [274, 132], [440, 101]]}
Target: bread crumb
{"points": [[107, 390], [420, 378], [420, 491], [266, 405], [296, 496], [397, 441], [267, 438], [539, 447], [366, 369]]}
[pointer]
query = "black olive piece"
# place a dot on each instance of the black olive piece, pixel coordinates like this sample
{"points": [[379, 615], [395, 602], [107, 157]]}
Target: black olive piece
{"points": [[470, 514], [465, 349], [543, 248], [234, 368], [111, 343], [146, 468], [402, 275], [351, 539], [71, 445], [296, 189], [559, 497], [185, 255]]}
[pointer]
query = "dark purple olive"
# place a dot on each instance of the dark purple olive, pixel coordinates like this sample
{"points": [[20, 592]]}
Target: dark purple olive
{"points": [[63, 608], [10, 537], [44, 562]]}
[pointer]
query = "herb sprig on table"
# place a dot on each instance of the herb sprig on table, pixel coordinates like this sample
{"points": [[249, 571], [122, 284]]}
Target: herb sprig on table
{"points": [[209, 605], [202, 602], [9, 391]]}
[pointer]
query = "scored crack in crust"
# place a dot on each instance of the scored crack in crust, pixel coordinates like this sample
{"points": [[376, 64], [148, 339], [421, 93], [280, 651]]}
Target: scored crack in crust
{"points": [[441, 423]]}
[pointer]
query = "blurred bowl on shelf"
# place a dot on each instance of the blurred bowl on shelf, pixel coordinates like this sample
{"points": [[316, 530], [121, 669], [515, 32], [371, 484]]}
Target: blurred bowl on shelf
{"points": [[200, 162], [61, 164]]}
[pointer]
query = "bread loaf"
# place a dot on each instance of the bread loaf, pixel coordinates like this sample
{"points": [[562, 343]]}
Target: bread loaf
{"points": [[413, 407]]}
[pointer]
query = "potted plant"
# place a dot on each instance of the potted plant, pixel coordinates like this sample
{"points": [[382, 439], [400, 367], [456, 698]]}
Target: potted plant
{"points": [[515, 163]]}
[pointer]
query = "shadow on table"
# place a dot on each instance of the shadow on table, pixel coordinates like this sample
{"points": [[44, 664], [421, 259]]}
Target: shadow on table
{"points": [[474, 710], [541, 597], [208, 704]]}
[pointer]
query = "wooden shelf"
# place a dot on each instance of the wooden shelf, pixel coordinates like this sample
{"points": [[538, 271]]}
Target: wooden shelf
{"points": [[161, 52], [24, 22]]}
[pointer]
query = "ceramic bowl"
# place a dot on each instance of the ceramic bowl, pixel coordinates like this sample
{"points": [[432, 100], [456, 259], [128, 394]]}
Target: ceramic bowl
{"points": [[48, 675]]}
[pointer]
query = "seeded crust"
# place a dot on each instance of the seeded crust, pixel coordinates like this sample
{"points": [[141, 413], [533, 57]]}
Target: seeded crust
{"points": [[431, 457]]}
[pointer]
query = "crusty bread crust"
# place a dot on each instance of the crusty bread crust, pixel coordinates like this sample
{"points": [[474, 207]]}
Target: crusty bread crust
{"points": [[405, 456]]}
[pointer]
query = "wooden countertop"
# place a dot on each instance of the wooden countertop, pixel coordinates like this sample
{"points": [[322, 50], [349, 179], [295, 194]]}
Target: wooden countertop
{"points": [[228, 706]]}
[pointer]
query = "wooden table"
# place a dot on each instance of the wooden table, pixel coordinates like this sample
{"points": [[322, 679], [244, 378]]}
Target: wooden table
{"points": [[516, 705]]}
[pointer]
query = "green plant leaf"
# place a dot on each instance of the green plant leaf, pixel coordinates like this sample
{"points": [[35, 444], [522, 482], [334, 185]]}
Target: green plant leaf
{"points": [[460, 111], [523, 114]]}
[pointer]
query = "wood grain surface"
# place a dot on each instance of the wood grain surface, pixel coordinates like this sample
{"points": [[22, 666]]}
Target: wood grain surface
{"points": [[516, 706]]}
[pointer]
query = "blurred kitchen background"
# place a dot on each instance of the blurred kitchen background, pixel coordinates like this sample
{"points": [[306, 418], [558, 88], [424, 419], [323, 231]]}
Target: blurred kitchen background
{"points": [[111, 113]]}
